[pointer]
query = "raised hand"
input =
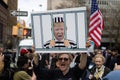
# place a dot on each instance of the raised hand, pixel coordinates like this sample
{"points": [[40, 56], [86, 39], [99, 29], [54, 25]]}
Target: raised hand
{"points": [[52, 43], [66, 43]]}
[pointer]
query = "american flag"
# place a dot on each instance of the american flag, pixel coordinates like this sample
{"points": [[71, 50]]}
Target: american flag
{"points": [[96, 23]]}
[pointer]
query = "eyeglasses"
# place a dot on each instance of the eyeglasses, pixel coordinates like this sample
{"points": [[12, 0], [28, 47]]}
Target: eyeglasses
{"points": [[65, 59]]}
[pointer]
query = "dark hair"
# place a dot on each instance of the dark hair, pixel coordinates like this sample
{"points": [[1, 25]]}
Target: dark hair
{"points": [[7, 59], [30, 50], [22, 60], [114, 49], [118, 59]]}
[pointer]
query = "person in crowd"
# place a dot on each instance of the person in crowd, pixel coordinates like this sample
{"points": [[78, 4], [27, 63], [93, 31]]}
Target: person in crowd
{"points": [[97, 51], [1, 65], [59, 33], [89, 65], [63, 72], [5, 68], [23, 52], [99, 70], [114, 75], [108, 58], [29, 54], [1, 50], [21, 72], [112, 58], [1, 61], [33, 48], [49, 60]]}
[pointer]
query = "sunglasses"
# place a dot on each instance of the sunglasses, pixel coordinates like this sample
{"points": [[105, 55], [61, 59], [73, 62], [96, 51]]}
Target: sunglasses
{"points": [[65, 59]]}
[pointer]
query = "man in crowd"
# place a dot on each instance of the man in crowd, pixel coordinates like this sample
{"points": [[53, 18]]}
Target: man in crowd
{"points": [[114, 75]]}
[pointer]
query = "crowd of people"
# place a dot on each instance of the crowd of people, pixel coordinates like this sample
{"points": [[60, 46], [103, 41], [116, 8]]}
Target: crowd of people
{"points": [[100, 65], [97, 65]]}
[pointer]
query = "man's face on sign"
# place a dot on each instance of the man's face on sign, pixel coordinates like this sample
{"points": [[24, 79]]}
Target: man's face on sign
{"points": [[59, 31]]}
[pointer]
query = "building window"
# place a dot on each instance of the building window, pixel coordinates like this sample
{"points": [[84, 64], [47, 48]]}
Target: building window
{"points": [[1, 32]]}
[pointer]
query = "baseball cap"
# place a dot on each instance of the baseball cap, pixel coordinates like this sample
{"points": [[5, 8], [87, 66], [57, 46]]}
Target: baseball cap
{"points": [[23, 51]]}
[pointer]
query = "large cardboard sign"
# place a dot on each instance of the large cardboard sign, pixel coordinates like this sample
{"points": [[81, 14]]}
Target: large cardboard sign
{"points": [[75, 30]]}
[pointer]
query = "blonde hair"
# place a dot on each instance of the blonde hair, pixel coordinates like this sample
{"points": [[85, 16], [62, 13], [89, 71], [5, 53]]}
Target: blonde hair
{"points": [[99, 56], [59, 23]]}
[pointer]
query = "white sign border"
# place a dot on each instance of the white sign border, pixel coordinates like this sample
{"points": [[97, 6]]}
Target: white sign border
{"points": [[39, 50]]}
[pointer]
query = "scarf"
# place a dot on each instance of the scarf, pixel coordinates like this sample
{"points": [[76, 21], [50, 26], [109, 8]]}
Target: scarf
{"points": [[99, 72]]}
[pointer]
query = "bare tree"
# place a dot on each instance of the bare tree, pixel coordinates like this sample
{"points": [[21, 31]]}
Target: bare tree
{"points": [[116, 24], [112, 24], [70, 4]]}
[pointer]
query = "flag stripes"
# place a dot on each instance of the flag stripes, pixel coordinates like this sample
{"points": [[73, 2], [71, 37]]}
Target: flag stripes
{"points": [[96, 24]]}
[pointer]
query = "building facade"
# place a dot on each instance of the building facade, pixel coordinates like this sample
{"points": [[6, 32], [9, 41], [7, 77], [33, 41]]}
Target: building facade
{"points": [[6, 20]]}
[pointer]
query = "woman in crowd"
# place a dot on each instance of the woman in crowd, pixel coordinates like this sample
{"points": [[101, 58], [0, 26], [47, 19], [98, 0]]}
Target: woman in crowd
{"points": [[99, 70]]}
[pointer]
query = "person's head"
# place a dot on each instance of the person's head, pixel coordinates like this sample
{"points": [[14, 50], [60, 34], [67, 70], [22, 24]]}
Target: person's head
{"points": [[58, 28], [1, 49], [23, 62], [99, 60], [30, 54], [99, 52], [64, 60], [114, 51], [117, 63], [23, 51], [118, 59]]}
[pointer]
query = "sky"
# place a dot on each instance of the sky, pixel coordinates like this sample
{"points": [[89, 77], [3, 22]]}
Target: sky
{"points": [[31, 5]]}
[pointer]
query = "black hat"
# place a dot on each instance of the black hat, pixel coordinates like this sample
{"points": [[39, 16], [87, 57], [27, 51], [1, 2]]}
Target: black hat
{"points": [[58, 19]]}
